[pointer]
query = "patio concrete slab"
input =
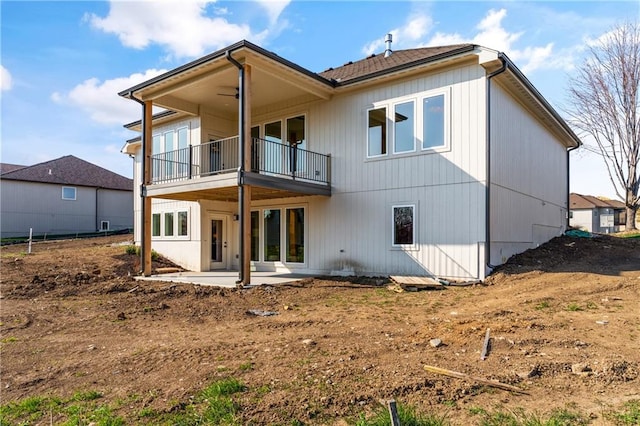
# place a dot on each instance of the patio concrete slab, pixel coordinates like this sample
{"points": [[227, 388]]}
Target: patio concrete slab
{"points": [[225, 278]]}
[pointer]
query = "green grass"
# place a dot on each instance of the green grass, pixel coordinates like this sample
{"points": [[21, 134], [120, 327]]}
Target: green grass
{"points": [[131, 249], [559, 417], [211, 406], [574, 307], [407, 415], [542, 305], [629, 415]]}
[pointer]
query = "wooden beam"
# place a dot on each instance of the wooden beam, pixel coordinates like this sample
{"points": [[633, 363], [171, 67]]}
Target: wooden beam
{"points": [[246, 213]]}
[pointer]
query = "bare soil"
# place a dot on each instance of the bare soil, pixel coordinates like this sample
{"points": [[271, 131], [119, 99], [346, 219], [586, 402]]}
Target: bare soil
{"points": [[564, 323]]}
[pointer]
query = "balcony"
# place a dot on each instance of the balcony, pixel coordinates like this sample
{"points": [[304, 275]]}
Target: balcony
{"points": [[210, 170]]}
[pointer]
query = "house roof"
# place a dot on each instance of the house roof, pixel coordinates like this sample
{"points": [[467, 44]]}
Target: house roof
{"points": [[6, 167], [70, 170], [379, 64], [322, 85], [579, 201]]}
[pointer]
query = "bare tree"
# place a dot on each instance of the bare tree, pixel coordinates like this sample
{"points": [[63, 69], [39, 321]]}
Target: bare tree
{"points": [[605, 105]]}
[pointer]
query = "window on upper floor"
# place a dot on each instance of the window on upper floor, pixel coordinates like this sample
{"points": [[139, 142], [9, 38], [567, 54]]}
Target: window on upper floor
{"points": [[420, 124], [377, 132], [68, 193]]}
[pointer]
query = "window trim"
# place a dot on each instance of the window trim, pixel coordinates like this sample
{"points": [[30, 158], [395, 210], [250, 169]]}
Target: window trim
{"points": [[386, 133], [415, 125], [175, 212], [75, 193], [102, 228], [418, 101], [414, 244]]}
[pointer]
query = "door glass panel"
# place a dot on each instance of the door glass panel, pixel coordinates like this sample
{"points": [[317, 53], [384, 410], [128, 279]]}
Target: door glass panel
{"points": [[295, 235], [183, 151], [216, 240], [271, 235], [255, 236], [272, 161], [296, 138], [255, 148]]}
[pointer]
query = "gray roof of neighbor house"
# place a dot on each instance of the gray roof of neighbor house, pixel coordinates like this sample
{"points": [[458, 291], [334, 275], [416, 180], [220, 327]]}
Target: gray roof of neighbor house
{"points": [[579, 201], [70, 170], [6, 167]]}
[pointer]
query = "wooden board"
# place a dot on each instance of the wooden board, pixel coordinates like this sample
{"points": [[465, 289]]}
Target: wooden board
{"points": [[415, 281]]}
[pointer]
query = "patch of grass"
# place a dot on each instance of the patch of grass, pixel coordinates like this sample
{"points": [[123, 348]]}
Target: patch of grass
{"points": [[247, 366], [574, 307], [559, 417], [592, 305], [629, 415], [10, 339], [135, 250], [542, 305], [86, 396], [407, 415]]}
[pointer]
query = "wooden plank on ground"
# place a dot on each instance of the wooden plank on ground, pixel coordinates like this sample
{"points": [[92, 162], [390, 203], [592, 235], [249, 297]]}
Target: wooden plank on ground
{"points": [[415, 281], [458, 375]]}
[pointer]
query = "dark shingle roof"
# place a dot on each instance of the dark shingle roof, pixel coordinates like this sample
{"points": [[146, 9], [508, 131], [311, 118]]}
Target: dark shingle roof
{"points": [[70, 170], [6, 167], [579, 201], [397, 60]]}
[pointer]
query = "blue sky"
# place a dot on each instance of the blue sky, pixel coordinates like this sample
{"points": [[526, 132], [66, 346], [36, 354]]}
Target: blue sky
{"points": [[63, 62]]}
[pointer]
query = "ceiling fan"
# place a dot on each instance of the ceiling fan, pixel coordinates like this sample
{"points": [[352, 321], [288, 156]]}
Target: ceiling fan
{"points": [[229, 91]]}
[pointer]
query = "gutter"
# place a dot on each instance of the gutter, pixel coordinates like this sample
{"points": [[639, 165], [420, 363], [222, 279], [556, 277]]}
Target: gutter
{"points": [[241, 154], [143, 191], [487, 226]]}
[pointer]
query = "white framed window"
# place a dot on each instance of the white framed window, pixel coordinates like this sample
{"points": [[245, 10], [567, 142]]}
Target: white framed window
{"points": [[69, 193], [403, 229], [104, 225], [404, 127], [377, 132], [420, 124], [168, 225], [435, 119], [278, 235], [155, 225]]}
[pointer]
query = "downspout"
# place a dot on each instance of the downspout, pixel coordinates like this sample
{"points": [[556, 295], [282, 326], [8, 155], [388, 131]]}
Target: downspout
{"points": [[241, 154], [487, 246], [568, 187], [143, 190]]}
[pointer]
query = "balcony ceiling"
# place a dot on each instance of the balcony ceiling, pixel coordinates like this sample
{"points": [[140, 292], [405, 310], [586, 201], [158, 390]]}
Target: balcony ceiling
{"points": [[213, 86]]}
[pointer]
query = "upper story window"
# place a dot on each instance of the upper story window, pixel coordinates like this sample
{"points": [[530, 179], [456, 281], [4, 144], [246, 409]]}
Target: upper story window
{"points": [[404, 135], [419, 123], [68, 193], [377, 132]]}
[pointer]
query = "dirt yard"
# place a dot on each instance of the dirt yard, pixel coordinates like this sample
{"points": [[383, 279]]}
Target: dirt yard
{"points": [[564, 324]]}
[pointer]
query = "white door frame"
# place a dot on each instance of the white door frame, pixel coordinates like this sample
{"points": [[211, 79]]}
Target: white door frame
{"points": [[224, 244]]}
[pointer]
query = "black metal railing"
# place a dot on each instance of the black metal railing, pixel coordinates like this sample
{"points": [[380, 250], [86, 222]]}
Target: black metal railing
{"points": [[221, 156]]}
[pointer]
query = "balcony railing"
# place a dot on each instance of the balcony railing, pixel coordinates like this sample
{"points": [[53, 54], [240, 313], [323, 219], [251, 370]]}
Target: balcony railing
{"points": [[221, 156]]}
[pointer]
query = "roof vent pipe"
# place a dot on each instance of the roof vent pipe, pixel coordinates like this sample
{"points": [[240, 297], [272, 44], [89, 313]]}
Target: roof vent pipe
{"points": [[387, 42]]}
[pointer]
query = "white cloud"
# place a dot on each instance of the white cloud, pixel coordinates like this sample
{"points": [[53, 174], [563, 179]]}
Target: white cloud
{"points": [[101, 101], [180, 27], [274, 8], [5, 79], [409, 35]]}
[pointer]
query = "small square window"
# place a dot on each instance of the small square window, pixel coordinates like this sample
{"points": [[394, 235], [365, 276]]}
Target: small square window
{"points": [[104, 225], [68, 193], [403, 225]]}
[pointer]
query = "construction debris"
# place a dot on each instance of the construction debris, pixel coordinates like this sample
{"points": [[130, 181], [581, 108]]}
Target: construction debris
{"points": [[463, 376]]}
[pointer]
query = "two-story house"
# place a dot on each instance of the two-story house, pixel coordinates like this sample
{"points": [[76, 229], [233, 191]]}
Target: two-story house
{"points": [[440, 161]]}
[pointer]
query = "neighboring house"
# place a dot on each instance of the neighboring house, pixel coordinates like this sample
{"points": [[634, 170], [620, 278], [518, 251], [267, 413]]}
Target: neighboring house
{"points": [[596, 215], [438, 161], [63, 196]]}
